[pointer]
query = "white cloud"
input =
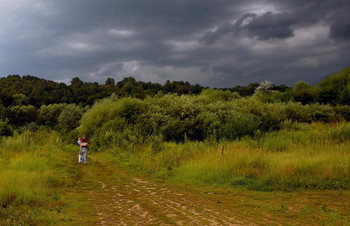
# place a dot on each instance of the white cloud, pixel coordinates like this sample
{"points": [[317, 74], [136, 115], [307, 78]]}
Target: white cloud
{"points": [[259, 8], [311, 35], [183, 46], [81, 46], [120, 33]]}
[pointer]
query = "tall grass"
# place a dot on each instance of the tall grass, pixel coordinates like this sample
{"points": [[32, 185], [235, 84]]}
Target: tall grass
{"points": [[31, 171], [315, 156]]}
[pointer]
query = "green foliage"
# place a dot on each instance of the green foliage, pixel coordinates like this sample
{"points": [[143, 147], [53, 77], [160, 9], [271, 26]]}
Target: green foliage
{"points": [[20, 99], [302, 156], [341, 133], [335, 89], [32, 127], [325, 113], [33, 171], [70, 116], [245, 91], [343, 111], [270, 115], [48, 114], [5, 128], [29, 100], [17, 90], [298, 112], [21, 115], [213, 114], [220, 95], [239, 125], [303, 92]]}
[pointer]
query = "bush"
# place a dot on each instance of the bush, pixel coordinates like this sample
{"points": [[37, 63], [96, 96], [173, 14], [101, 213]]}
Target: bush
{"points": [[220, 95], [239, 125], [324, 113], [5, 128], [270, 115], [335, 89], [298, 112], [115, 122], [49, 114], [304, 93], [69, 118]]}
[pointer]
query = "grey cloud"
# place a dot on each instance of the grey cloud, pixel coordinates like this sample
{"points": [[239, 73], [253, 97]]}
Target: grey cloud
{"points": [[340, 28], [211, 36], [269, 26], [94, 39], [264, 27]]}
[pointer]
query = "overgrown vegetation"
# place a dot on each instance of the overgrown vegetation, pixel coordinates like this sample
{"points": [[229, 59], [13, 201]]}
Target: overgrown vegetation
{"points": [[30, 102], [259, 137], [218, 137], [114, 122], [33, 172], [298, 157]]}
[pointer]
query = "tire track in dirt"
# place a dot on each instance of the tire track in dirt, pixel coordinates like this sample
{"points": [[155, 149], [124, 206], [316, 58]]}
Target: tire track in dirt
{"points": [[123, 199]]}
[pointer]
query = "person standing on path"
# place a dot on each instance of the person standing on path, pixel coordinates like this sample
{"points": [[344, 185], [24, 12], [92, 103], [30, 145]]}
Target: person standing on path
{"points": [[83, 149]]}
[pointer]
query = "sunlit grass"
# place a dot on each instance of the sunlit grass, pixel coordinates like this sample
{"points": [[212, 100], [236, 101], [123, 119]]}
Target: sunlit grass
{"points": [[33, 169], [315, 156]]}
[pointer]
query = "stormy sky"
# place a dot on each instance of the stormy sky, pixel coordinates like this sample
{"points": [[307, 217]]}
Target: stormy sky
{"points": [[216, 43]]}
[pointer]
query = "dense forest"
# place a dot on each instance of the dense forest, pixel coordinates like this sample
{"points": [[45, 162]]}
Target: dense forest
{"points": [[28, 102]]}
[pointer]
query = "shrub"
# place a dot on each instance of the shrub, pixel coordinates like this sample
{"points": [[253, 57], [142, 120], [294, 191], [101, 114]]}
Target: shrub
{"points": [[69, 118], [324, 113], [239, 125], [298, 112], [5, 128], [115, 122]]}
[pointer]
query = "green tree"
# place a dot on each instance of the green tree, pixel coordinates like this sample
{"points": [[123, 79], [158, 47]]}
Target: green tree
{"points": [[20, 99], [303, 92], [69, 118], [332, 89], [110, 81], [48, 114], [5, 128]]}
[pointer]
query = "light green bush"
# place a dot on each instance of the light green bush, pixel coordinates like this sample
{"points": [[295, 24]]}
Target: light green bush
{"points": [[115, 122]]}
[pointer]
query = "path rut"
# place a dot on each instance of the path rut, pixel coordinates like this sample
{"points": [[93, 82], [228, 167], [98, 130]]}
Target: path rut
{"points": [[123, 199]]}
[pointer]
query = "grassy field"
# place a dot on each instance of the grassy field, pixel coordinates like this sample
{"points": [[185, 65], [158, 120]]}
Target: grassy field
{"points": [[35, 178], [301, 172], [298, 157]]}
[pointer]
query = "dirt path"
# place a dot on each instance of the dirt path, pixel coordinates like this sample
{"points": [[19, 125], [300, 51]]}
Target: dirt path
{"points": [[123, 199], [115, 196]]}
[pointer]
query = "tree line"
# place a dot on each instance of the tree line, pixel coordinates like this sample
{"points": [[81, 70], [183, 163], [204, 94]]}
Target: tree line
{"points": [[28, 102]]}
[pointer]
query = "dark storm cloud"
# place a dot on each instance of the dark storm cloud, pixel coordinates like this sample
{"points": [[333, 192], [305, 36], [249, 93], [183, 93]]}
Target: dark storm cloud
{"points": [[264, 27], [215, 43], [270, 25], [340, 28]]}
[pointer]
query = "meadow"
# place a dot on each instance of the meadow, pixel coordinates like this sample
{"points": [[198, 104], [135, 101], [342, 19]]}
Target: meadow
{"points": [[305, 157], [219, 138], [266, 143], [40, 179], [35, 174]]}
